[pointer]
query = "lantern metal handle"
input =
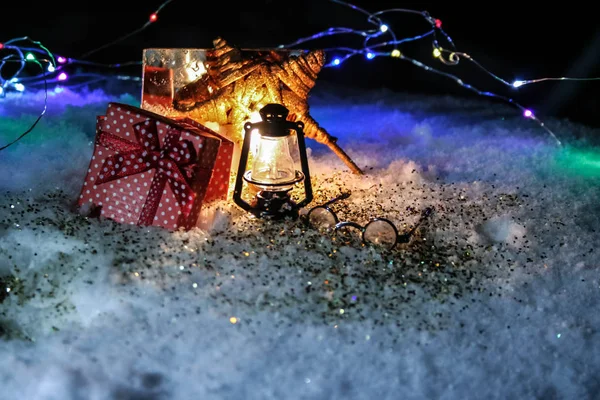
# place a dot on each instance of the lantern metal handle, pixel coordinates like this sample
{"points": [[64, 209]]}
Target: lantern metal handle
{"points": [[308, 194], [237, 191]]}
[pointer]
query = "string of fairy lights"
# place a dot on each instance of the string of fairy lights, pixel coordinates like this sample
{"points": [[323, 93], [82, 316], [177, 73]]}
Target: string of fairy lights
{"points": [[16, 55]]}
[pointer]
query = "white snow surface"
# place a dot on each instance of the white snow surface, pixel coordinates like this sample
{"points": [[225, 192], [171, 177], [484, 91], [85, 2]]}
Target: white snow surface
{"points": [[496, 297]]}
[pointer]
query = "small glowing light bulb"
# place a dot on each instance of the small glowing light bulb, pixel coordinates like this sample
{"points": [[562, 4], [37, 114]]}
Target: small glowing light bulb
{"points": [[61, 59], [437, 52], [517, 84], [153, 17], [528, 114], [336, 61], [19, 87], [51, 68], [30, 57], [370, 55], [395, 53], [62, 76], [233, 320], [1, 46], [438, 23], [383, 28]]}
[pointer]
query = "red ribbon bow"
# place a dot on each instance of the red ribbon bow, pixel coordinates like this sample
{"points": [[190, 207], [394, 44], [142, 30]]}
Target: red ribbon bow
{"points": [[172, 163]]}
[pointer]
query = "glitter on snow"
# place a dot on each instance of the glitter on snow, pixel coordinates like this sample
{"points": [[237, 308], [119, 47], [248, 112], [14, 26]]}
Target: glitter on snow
{"points": [[497, 295]]}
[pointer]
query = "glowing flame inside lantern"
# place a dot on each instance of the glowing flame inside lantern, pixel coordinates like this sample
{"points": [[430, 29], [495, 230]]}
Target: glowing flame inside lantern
{"points": [[273, 163]]}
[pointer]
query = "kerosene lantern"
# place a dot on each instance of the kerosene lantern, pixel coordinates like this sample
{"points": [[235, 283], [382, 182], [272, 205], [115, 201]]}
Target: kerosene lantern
{"points": [[274, 173]]}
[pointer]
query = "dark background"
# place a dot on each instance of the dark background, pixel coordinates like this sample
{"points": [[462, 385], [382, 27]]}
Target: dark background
{"points": [[513, 39]]}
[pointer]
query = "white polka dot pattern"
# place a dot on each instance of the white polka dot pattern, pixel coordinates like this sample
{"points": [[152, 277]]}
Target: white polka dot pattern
{"points": [[163, 163], [218, 187]]}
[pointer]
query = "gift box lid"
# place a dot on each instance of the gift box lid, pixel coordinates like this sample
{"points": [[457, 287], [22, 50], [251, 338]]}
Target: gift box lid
{"points": [[196, 124]]}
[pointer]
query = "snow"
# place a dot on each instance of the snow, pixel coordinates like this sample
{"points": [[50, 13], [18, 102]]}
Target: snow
{"points": [[497, 295]]}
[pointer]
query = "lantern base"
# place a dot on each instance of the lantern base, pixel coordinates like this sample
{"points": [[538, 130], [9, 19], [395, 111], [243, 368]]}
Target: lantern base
{"points": [[275, 205]]}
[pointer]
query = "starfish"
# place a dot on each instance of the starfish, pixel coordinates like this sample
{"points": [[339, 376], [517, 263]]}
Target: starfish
{"points": [[237, 85]]}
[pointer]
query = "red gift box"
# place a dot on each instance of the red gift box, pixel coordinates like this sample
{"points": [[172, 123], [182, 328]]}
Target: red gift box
{"points": [[219, 184], [149, 170]]}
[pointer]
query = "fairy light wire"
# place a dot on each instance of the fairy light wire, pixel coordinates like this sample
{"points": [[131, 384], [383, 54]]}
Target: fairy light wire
{"points": [[23, 59], [449, 56], [519, 83], [151, 20], [41, 114], [527, 113], [53, 66]]}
